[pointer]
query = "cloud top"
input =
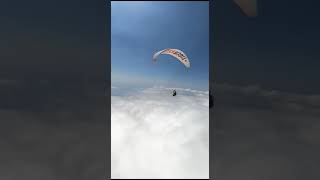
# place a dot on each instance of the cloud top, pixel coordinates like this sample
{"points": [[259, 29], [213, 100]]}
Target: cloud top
{"points": [[156, 135]]}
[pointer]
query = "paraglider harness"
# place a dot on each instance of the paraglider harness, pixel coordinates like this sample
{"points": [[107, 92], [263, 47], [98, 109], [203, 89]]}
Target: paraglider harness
{"points": [[174, 93]]}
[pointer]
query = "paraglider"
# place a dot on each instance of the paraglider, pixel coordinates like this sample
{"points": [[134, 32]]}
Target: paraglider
{"points": [[178, 54]]}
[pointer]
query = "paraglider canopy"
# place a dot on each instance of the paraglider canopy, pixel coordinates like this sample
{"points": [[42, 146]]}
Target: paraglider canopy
{"points": [[178, 54]]}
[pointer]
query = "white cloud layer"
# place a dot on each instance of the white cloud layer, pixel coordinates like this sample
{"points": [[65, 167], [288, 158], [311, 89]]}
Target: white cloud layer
{"points": [[156, 135]]}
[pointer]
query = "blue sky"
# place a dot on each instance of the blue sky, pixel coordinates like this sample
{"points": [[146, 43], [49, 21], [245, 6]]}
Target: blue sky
{"points": [[139, 29]]}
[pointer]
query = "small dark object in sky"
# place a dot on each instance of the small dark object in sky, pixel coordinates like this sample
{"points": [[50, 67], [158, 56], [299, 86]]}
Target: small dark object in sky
{"points": [[174, 92]]}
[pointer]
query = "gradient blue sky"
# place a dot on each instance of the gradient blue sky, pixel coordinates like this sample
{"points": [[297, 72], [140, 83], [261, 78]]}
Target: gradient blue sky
{"points": [[139, 29]]}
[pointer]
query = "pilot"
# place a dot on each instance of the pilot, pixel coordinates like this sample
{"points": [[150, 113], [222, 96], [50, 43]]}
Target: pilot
{"points": [[174, 92]]}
